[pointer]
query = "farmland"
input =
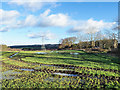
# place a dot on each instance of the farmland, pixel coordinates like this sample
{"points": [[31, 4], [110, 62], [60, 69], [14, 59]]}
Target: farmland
{"points": [[59, 69]]}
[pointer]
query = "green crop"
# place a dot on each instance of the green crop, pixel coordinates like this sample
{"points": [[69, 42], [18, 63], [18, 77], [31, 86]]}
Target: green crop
{"points": [[93, 70]]}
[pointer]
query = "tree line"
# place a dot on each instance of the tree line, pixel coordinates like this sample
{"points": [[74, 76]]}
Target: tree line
{"points": [[90, 40]]}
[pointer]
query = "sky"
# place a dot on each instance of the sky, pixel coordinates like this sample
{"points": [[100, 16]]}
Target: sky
{"points": [[25, 23]]}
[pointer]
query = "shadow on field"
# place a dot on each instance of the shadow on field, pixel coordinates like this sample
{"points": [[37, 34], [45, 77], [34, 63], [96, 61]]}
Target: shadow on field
{"points": [[99, 55], [107, 56]]}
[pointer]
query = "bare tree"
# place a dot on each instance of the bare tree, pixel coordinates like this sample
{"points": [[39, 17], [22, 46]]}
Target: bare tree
{"points": [[81, 38], [67, 42]]}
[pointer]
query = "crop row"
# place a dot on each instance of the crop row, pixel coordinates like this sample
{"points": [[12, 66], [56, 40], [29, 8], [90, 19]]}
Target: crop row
{"points": [[69, 72], [73, 66], [39, 80], [63, 65]]}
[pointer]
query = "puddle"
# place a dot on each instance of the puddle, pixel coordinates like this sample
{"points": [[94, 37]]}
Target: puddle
{"points": [[49, 65], [41, 52], [74, 53], [27, 69], [7, 74], [64, 74], [54, 51], [65, 69], [10, 72], [8, 77], [57, 52], [37, 67], [13, 55]]}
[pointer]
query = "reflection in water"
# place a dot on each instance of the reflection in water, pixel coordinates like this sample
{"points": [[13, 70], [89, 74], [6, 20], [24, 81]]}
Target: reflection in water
{"points": [[74, 53], [65, 69], [7, 74], [10, 72], [41, 52], [64, 74], [13, 55], [8, 77], [27, 69]]}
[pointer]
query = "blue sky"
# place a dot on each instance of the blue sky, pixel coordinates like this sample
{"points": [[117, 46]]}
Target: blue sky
{"points": [[25, 23]]}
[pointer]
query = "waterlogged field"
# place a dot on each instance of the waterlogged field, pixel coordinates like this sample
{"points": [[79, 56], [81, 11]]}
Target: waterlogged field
{"points": [[59, 69]]}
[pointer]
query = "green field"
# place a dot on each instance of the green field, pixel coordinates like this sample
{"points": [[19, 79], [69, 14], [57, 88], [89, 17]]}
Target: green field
{"points": [[59, 69]]}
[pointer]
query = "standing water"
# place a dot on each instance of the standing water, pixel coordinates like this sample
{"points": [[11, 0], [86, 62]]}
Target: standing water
{"points": [[41, 52], [64, 74], [13, 55], [27, 69]]}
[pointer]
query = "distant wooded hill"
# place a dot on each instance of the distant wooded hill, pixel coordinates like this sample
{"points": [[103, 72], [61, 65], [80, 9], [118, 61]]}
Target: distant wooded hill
{"points": [[36, 47]]}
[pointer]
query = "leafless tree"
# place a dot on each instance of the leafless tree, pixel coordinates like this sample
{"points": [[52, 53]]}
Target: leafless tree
{"points": [[67, 42]]}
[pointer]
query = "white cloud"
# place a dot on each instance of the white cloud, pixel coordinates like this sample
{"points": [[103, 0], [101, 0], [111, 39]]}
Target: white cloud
{"points": [[31, 20], [60, 20], [91, 26], [33, 5], [47, 35], [8, 17], [46, 20], [4, 29]]}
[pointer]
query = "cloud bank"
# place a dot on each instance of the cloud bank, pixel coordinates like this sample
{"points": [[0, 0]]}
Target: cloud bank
{"points": [[8, 17], [91, 26], [46, 19]]}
